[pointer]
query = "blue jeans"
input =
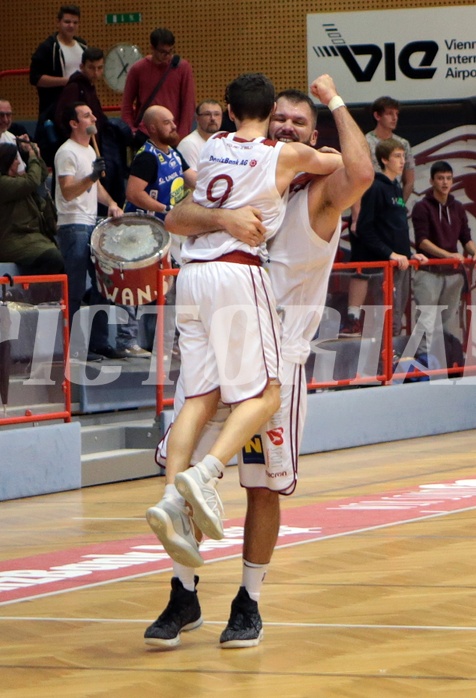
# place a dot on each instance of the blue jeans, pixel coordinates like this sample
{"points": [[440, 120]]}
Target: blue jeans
{"points": [[74, 243]]}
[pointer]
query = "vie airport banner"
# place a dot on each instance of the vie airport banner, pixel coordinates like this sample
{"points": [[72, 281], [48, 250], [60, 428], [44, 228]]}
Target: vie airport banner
{"points": [[421, 54]]}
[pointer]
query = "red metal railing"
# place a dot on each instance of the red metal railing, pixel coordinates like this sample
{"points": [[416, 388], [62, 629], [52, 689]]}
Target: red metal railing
{"points": [[30, 415], [387, 375]]}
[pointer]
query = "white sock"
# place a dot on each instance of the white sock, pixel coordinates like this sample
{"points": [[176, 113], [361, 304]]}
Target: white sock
{"points": [[354, 311], [185, 574], [214, 466], [253, 578], [171, 492]]}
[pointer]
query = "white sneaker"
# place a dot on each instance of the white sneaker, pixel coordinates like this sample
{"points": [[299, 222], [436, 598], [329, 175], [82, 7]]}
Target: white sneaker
{"points": [[172, 525], [137, 352], [198, 487]]}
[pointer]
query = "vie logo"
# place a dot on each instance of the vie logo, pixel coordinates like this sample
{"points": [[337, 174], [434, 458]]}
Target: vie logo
{"points": [[414, 60], [423, 71]]}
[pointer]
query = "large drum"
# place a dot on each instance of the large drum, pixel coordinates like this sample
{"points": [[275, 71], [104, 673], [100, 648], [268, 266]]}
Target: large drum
{"points": [[126, 253]]}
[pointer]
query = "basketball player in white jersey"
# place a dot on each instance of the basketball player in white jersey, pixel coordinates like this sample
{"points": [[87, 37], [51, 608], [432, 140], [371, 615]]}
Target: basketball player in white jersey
{"points": [[229, 325], [301, 257]]}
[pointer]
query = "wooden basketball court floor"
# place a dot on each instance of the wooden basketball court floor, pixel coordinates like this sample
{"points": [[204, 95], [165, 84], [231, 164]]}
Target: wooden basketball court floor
{"points": [[382, 611]]}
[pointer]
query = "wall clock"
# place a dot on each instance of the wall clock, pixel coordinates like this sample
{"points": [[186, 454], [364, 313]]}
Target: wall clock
{"points": [[117, 64]]}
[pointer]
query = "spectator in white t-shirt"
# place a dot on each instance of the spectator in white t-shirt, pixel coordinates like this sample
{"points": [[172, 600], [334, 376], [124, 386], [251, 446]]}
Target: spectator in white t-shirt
{"points": [[209, 116]]}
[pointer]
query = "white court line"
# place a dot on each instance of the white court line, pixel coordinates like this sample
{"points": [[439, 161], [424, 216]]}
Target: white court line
{"points": [[355, 626]]}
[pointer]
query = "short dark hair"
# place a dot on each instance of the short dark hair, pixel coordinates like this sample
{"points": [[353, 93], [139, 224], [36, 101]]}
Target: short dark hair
{"points": [[298, 97], [440, 166], [385, 148], [251, 96], [69, 10], [70, 114], [206, 101], [92, 54], [383, 103], [162, 37]]}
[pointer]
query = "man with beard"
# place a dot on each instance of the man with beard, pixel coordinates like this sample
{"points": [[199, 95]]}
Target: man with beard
{"points": [[209, 117], [159, 176], [301, 257]]}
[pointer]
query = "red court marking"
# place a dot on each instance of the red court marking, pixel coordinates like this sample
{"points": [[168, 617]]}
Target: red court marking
{"points": [[66, 570]]}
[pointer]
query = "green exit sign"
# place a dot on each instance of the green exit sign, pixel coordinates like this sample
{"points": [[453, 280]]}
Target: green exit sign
{"points": [[124, 18]]}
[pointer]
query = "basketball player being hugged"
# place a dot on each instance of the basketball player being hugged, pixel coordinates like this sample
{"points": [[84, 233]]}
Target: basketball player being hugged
{"points": [[325, 198]]}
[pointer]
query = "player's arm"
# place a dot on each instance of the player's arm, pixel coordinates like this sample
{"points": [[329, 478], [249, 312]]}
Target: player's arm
{"points": [[297, 157], [346, 185], [189, 218]]}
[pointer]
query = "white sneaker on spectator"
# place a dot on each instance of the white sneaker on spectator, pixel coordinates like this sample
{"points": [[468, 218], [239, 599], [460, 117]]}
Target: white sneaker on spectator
{"points": [[135, 351], [198, 487]]}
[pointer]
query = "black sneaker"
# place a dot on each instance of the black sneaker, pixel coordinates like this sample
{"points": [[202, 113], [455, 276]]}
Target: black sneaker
{"points": [[245, 628], [181, 613], [110, 352], [78, 356], [352, 327]]}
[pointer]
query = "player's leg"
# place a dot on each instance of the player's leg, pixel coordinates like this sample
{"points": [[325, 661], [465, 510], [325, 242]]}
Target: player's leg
{"points": [[268, 468], [245, 342], [197, 485], [182, 612], [245, 627], [170, 517]]}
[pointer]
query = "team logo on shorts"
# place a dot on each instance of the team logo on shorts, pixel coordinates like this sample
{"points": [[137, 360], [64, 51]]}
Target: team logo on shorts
{"points": [[276, 436], [253, 451]]}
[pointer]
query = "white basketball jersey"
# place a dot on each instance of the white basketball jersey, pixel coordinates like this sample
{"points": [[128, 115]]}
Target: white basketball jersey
{"points": [[232, 173], [299, 268]]}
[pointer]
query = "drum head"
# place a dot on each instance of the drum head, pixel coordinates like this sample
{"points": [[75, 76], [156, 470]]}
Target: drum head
{"points": [[130, 242]]}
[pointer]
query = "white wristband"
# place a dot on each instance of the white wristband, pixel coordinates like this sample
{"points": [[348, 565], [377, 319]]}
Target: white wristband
{"points": [[336, 102]]}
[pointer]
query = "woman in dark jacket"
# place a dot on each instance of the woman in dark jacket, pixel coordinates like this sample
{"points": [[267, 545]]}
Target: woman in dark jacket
{"points": [[24, 237]]}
